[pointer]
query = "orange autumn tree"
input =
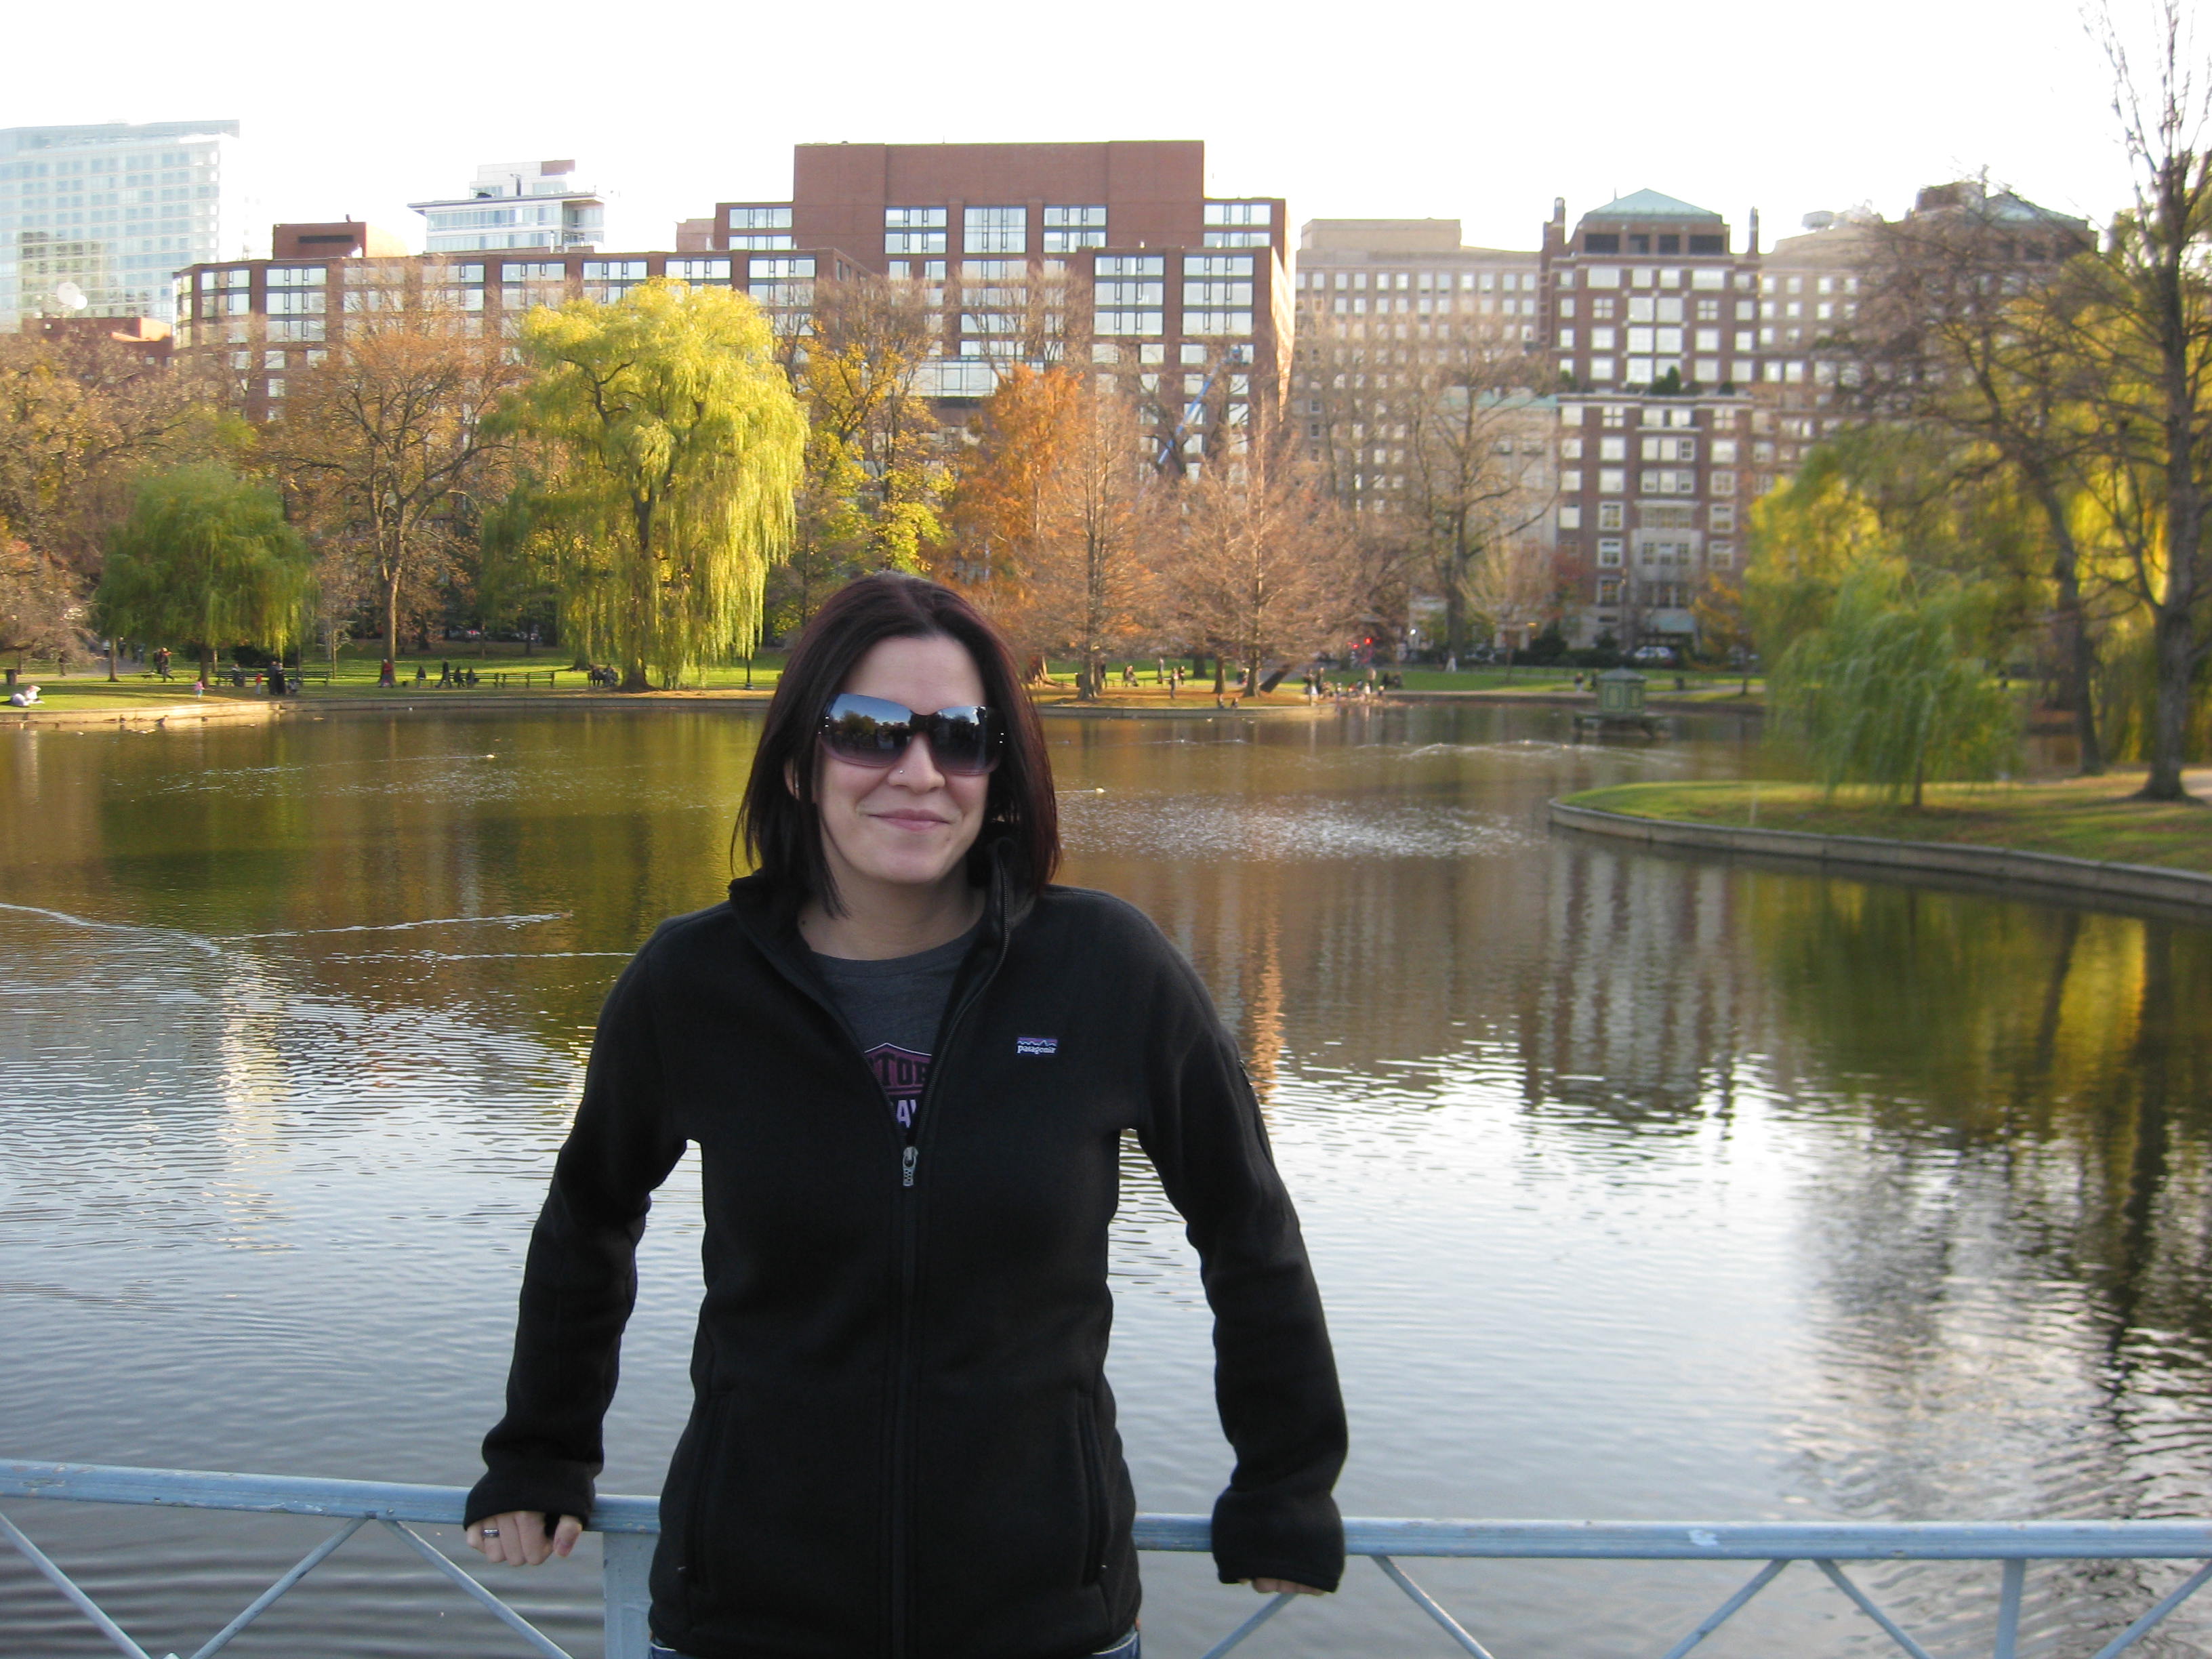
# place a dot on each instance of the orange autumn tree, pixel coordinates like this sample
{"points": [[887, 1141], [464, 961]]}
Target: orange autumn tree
{"points": [[1003, 492]]}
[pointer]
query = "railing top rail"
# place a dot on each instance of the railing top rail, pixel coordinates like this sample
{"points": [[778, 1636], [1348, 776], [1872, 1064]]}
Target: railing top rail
{"points": [[277, 1494], [1643, 1540]]}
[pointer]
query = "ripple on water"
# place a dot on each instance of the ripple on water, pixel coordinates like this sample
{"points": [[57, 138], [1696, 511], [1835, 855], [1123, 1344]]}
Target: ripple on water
{"points": [[1284, 830]]}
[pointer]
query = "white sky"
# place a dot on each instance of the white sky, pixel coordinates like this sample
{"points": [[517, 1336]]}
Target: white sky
{"points": [[1479, 111]]}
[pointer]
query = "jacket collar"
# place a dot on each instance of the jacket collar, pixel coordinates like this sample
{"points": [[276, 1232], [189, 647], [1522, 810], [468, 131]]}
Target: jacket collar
{"points": [[769, 911]]}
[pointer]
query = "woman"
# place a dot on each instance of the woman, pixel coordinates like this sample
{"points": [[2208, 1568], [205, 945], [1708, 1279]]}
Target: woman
{"points": [[907, 1063]]}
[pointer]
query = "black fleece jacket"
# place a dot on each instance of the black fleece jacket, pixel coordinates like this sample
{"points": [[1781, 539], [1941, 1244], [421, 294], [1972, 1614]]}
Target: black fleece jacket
{"points": [[903, 1443]]}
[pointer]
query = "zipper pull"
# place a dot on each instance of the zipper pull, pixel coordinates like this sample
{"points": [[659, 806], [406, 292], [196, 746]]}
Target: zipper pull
{"points": [[907, 1161]]}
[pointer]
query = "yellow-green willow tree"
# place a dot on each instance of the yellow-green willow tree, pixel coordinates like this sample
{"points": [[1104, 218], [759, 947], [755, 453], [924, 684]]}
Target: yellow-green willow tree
{"points": [[205, 559], [663, 448]]}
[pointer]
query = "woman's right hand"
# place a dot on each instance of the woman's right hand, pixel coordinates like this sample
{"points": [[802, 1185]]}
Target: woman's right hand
{"points": [[518, 1538]]}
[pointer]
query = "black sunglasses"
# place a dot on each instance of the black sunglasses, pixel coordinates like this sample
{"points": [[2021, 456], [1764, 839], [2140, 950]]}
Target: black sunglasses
{"points": [[874, 732]]}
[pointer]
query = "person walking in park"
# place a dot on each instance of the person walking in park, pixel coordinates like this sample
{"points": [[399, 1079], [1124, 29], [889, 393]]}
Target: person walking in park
{"points": [[908, 1061]]}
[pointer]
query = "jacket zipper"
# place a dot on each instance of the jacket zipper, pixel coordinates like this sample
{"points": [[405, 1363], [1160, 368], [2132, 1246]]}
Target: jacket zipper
{"points": [[902, 1578]]}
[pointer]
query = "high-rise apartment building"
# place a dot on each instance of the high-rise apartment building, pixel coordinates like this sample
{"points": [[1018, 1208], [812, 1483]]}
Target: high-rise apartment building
{"points": [[1113, 250], [1387, 310], [264, 320], [1652, 327], [95, 220], [516, 205]]}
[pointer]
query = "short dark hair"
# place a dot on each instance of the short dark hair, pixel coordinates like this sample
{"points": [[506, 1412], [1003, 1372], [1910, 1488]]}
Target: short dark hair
{"points": [[782, 823]]}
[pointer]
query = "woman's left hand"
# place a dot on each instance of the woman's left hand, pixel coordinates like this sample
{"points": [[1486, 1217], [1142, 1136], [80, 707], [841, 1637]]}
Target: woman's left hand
{"points": [[1283, 1587]]}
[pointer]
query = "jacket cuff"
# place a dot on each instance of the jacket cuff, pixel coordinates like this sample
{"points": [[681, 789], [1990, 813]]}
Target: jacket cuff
{"points": [[1257, 1535], [553, 1492]]}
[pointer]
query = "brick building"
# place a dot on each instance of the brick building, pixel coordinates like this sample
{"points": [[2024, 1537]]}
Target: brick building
{"points": [[1117, 246], [263, 318]]}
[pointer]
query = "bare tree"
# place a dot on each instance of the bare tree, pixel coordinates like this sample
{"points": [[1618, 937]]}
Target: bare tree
{"points": [[1515, 587], [1471, 496], [1092, 587], [1264, 566], [390, 447], [2143, 332]]}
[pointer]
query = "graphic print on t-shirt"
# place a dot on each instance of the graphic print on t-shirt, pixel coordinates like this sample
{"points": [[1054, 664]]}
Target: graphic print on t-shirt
{"points": [[902, 1073]]}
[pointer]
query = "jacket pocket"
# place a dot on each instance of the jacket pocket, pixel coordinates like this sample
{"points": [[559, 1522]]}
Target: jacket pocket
{"points": [[706, 1474], [1094, 1490]]}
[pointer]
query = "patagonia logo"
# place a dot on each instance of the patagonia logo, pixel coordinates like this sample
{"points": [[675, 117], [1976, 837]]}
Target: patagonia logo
{"points": [[1036, 1045]]}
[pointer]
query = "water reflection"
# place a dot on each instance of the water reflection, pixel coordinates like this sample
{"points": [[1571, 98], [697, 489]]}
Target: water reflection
{"points": [[1639, 1185]]}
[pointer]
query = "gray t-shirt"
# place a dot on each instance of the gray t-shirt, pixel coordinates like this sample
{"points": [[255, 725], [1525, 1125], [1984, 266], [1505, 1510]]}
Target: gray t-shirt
{"points": [[894, 1006]]}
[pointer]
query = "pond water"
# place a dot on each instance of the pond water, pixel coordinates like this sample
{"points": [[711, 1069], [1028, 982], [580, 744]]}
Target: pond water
{"points": [[1638, 1187]]}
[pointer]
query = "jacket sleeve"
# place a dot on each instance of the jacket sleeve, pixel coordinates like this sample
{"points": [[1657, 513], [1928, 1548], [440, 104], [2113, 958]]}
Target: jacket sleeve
{"points": [[1274, 1376], [581, 1279]]}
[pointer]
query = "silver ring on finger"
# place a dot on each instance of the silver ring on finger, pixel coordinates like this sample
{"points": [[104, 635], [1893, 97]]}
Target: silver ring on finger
{"points": [[491, 1532]]}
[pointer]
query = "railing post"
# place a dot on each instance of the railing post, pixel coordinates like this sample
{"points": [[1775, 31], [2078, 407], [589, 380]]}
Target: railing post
{"points": [[2009, 1594], [627, 1561]]}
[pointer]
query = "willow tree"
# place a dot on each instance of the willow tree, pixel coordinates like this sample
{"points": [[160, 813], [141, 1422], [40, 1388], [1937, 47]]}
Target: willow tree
{"points": [[667, 445], [1887, 690], [205, 558]]}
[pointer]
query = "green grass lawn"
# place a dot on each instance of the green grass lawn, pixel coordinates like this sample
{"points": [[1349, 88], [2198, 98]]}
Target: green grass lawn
{"points": [[87, 686], [91, 690], [2080, 817]]}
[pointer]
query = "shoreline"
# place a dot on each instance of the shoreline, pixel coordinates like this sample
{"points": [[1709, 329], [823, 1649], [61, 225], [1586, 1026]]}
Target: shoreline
{"points": [[2007, 866], [411, 701]]}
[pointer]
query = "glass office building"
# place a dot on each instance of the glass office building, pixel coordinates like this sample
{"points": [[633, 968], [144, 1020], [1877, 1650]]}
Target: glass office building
{"points": [[111, 211]]}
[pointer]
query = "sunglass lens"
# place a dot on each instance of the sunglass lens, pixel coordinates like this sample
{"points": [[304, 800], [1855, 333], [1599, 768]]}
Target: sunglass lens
{"points": [[962, 740], [867, 730], [875, 732]]}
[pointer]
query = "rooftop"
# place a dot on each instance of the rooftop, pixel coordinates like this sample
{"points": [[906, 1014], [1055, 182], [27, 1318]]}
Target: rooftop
{"points": [[1649, 204]]}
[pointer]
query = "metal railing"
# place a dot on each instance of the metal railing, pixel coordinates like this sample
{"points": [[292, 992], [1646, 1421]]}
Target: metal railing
{"points": [[629, 1525]]}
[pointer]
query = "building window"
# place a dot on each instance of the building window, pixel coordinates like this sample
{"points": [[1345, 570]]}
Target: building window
{"points": [[1217, 322], [1609, 551], [1612, 481], [700, 271], [1720, 555], [914, 230], [1124, 293], [1227, 213], [1570, 481], [1120, 322], [760, 218], [768, 269], [1218, 264], [1610, 516], [996, 230], [1131, 264], [1570, 515], [1068, 228]]}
